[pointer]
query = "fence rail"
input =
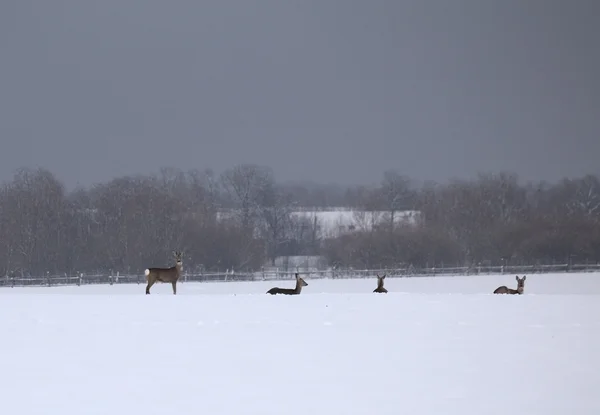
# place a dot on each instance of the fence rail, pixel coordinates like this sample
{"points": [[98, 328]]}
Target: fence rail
{"points": [[275, 274]]}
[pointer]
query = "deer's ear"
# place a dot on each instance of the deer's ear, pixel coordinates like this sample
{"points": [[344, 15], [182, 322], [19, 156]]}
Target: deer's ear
{"points": [[384, 275], [524, 277], [517, 277]]}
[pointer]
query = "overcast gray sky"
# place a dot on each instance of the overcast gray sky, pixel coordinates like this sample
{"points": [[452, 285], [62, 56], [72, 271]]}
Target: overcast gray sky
{"points": [[331, 91]]}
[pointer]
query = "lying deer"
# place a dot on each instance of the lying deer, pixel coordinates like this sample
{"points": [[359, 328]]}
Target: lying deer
{"points": [[380, 288], [165, 274], [520, 287], [289, 291]]}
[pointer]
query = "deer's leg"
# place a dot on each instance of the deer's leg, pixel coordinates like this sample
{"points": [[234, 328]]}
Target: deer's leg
{"points": [[151, 282], [174, 283]]}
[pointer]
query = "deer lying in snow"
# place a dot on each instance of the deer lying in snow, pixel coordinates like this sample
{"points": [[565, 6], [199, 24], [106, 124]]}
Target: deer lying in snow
{"points": [[165, 274], [289, 291], [520, 287], [380, 288]]}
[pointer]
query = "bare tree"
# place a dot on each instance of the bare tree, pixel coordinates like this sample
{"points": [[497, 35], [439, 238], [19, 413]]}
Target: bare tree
{"points": [[244, 183], [397, 194], [274, 208], [34, 204], [305, 234], [579, 197], [128, 222]]}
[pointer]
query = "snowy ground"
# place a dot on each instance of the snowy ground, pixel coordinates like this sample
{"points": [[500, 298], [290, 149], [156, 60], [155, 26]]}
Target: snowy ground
{"points": [[440, 345]]}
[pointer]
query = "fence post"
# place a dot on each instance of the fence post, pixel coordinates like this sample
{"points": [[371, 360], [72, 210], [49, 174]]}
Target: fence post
{"points": [[110, 279]]}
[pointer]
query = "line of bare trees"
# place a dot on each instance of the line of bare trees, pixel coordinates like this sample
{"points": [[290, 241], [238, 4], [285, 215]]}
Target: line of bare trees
{"points": [[243, 219]]}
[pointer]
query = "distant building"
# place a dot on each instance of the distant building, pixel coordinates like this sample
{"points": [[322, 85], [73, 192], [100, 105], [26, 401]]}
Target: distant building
{"points": [[335, 221]]}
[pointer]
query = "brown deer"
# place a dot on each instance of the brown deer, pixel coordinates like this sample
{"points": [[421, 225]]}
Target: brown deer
{"points": [[289, 291], [520, 287], [165, 274], [380, 288]]}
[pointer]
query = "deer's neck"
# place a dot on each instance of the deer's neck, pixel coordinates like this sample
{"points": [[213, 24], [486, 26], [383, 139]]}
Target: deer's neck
{"points": [[298, 287]]}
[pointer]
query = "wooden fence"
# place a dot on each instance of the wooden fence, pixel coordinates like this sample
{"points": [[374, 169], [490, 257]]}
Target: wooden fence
{"points": [[274, 274]]}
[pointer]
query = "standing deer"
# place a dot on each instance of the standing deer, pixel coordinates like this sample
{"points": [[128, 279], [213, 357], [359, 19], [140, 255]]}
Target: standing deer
{"points": [[289, 291], [520, 287], [380, 288], [165, 274]]}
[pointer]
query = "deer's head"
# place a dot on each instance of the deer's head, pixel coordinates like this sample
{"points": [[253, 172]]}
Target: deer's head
{"points": [[301, 281], [520, 283], [380, 280], [178, 257]]}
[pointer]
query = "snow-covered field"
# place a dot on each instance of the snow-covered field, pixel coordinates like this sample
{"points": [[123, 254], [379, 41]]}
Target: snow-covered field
{"points": [[441, 345]]}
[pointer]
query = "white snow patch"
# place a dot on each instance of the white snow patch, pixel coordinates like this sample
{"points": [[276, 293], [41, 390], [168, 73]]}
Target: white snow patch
{"points": [[335, 349]]}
